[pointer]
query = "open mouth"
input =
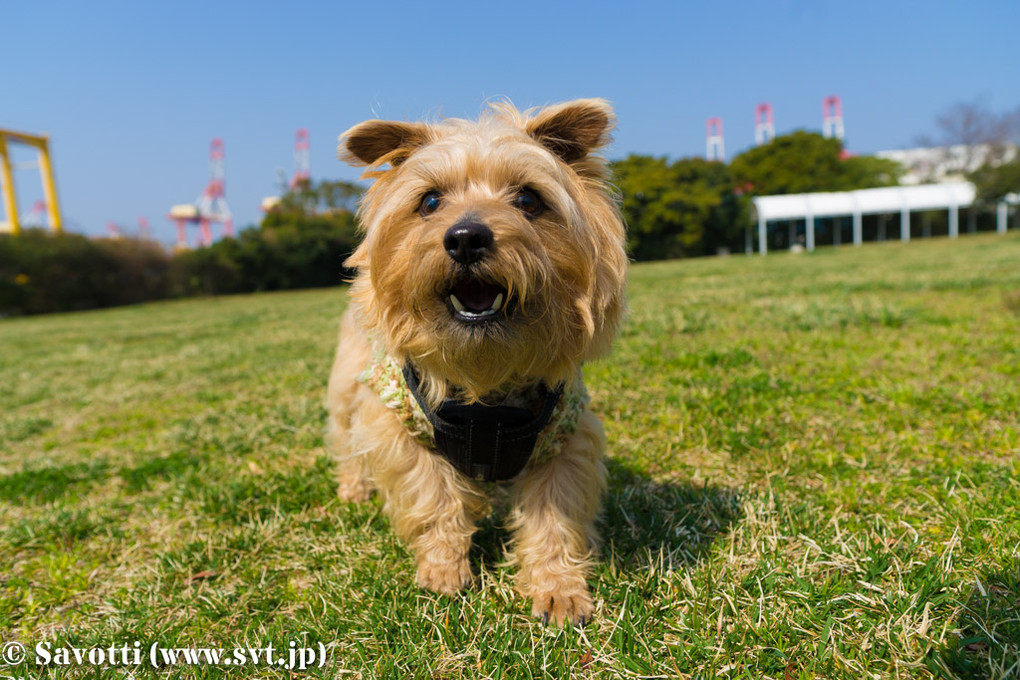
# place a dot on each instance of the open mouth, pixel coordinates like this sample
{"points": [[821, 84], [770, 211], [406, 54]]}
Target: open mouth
{"points": [[474, 301]]}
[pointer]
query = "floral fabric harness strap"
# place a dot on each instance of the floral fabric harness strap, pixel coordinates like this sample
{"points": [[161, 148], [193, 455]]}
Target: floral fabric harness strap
{"points": [[491, 443]]}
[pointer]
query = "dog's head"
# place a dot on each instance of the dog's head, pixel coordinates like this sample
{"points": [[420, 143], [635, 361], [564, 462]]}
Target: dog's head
{"points": [[493, 250]]}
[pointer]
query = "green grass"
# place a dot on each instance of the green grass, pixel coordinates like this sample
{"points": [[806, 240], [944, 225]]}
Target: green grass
{"points": [[815, 473]]}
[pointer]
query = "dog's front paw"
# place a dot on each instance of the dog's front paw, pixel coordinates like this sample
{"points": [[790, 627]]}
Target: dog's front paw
{"points": [[354, 491], [562, 608], [448, 578]]}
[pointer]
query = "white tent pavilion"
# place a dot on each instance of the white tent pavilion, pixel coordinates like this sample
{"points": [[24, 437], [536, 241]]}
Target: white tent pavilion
{"points": [[904, 200]]}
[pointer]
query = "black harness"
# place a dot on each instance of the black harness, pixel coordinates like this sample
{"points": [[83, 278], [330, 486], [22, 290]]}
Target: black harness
{"points": [[487, 443]]}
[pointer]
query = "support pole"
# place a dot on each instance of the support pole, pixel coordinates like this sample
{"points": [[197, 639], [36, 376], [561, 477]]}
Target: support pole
{"points": [[1001, 215], [763, 247], [182, 234], [7, 185], [905, 224], [858, 228], [810, 232], [49, 188], [954, 221]]}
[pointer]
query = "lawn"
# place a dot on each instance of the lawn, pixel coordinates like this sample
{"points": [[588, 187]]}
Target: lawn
{"points": [[815, 473]]}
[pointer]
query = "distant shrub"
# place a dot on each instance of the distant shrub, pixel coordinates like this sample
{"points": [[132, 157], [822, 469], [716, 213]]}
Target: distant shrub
{"points": [[207, 271], [289, 250], [44, 272], [293, 248]]}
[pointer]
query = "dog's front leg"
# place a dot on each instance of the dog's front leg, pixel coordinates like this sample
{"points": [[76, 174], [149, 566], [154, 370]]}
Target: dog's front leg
{"points": [[433, 508], [554, 525]]}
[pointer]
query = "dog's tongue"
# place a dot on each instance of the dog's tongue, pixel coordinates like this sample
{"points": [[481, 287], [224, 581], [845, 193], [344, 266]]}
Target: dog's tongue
{"points": [[476, 296]]}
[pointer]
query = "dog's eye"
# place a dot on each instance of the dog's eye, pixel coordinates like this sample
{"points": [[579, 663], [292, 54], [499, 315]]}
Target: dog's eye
{"points": [[430, 203], [528, 202]]}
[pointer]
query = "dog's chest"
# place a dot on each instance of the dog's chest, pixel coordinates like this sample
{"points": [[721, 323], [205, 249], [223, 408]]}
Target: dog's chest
{"points": [[486, 442]]}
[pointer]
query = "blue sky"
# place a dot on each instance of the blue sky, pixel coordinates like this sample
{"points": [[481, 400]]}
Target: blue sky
{"points": [[132, 93]]}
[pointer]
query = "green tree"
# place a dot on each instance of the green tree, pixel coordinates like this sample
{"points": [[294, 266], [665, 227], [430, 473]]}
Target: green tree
{"points": [[865, 172], [803, 162], [311, 198], [676, 210], [301, 243], [994, 182]]}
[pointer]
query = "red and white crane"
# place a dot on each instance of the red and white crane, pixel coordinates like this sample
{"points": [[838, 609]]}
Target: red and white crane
{"points": [[715, 150], [211, 205], [302, 166], [302, 170], [764, 129], [832, 117]]}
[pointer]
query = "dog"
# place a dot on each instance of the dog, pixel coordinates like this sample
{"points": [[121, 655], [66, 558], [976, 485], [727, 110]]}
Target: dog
{"points": [[492, 265]]}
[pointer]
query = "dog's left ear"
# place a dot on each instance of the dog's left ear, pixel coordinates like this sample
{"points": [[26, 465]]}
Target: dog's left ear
{"points": [[573, 129]]}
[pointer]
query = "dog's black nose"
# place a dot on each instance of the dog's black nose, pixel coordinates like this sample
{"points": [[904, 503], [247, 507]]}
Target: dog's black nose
{"points": [[467, 242]]}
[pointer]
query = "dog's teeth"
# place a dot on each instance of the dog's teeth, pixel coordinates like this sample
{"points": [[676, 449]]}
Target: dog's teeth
{"points": [[497, 303], [457, 304]]}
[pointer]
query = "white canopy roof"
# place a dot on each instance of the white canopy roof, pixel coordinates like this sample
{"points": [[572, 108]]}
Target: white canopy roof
{"points": [[865, 201]]}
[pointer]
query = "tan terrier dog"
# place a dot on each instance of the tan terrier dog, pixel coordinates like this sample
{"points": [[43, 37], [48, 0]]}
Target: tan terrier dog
{"points": [[492, 267]]}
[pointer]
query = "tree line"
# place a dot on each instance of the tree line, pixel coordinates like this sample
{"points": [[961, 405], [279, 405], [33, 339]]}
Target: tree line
{"points": [[693, 206], [301, 243]]}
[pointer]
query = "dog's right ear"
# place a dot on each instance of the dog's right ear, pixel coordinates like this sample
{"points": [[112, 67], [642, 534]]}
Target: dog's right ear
{"points": [[375, 142]]}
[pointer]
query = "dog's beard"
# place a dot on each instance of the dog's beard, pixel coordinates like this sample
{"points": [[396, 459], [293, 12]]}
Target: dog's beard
{"points": [[486, 309], [481, 328]]}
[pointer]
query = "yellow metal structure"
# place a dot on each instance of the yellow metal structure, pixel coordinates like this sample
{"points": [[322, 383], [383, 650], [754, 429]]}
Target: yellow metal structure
{"points": [[42, 145]]}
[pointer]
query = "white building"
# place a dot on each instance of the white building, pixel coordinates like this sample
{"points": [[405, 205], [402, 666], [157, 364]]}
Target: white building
{"points": [[949, 163], [894, 207]]}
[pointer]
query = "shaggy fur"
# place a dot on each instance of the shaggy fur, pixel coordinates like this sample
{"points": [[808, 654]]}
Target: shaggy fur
{"points": [[563, 271]]}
